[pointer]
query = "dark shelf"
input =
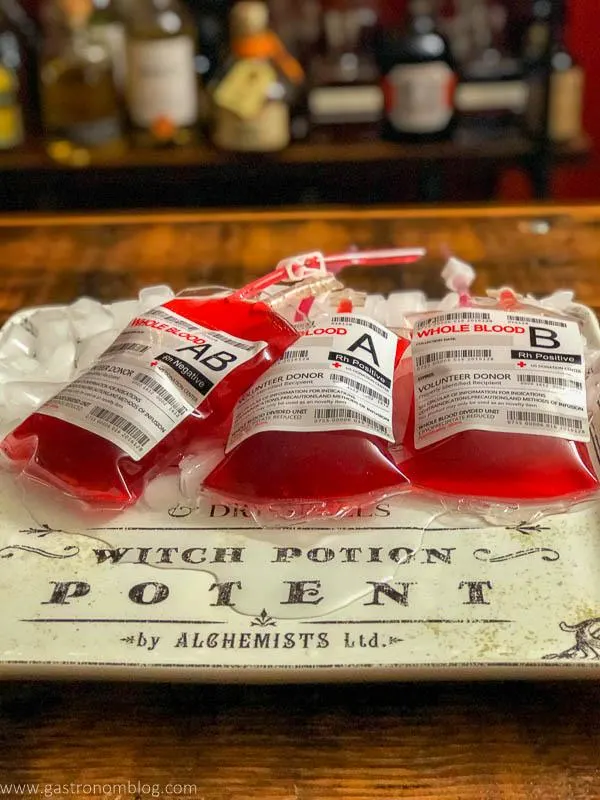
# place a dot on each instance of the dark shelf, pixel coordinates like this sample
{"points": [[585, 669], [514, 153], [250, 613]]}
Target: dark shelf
{"points": [[510, 148], [314, 172]]}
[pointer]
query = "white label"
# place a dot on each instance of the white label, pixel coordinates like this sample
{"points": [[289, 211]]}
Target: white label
{"points": [[162, 81], [331, 104], [156, 373], [497, 95], [498, 371], [337, 376], [419, 97], [267, 132]]}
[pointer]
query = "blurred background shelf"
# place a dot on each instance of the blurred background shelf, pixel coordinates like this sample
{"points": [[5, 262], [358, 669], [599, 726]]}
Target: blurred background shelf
{"points": [[312, 172], [509, 84], [511, 147]]}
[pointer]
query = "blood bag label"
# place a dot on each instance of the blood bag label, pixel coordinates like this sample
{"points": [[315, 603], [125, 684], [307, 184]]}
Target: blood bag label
{"points": [[494, 370], [337, 376], [160, 368]]}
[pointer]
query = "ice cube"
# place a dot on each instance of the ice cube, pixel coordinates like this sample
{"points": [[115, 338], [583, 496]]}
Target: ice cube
{"points": [[123, 312], [162, 492], [399, 304], [21, 365], [84, 306], [448, 302], [89, 350], [23, 397], [559, 300], [53, 330], [17, 342], [195, 467], [61, 364], [153, 296], [53, 323], [373, 307], [89, 317]]}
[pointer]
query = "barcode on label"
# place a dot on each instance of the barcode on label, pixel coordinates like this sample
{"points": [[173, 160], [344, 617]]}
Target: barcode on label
{"points": [[472, 354], [223, 337], [295, 355], [163, 393], [192, 327], [545, 420], [121, 424], [528, 320], [461, 316], [549, 380], [328, 415], [361, 388], [361, 321], [122, 348], [181, 323]]}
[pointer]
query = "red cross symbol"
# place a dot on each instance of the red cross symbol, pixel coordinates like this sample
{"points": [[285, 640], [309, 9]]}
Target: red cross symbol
{"points": [[521, 364], [153, 363], [336, 365]]}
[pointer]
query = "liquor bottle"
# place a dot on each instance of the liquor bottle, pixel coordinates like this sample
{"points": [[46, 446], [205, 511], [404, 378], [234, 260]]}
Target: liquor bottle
{"points": [[556, 81], [162, 87], [343, 76], [11, 61], [537, 33], [254, 94], [210, 17], [491, 93], [298, 25], [419, 78], [79, 99], [106, 26]]}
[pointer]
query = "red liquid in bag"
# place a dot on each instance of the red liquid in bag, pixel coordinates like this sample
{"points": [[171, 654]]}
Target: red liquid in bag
{"points": [[496, 465], [499, 466], [92, 469], [320, 473], [321, 469]]}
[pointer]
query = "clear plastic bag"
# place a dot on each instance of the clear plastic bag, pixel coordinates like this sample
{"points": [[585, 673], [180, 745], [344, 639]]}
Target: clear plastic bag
{"points": [[167, 385], [314, 436], [169, 379], [498, 406]]}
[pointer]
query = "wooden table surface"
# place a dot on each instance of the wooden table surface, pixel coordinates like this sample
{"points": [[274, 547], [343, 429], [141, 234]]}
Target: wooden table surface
{"points": [[485, 741]]}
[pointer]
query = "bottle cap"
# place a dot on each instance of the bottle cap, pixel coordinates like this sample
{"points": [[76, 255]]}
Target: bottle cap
{"points": [[249, 17]]}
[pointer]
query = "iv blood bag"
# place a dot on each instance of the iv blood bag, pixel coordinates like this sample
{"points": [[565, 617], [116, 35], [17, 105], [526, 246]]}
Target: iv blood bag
{"points": [[499, 408], [170, 378], [312, 436]]}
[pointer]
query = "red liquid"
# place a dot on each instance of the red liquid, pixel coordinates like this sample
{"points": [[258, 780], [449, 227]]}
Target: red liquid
{"points": [[323, 468], [500, 466], [92, 469], [331, 469]]}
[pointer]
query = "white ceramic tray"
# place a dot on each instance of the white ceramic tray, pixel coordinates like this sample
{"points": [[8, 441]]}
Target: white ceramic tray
{"points": [[396, 593]]}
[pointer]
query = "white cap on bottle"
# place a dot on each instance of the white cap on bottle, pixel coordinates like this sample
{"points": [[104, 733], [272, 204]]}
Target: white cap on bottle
{"points": [[249, 17]]}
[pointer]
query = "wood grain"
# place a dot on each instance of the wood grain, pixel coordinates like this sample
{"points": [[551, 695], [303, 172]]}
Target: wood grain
{"points": [[428, 742], [431, 741], [56, 259]]}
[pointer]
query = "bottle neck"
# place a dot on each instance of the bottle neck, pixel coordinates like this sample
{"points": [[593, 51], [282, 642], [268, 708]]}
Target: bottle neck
{"points": [[267, 45], [421, 16], [78, 37], [557, 32], [254, 45]]}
